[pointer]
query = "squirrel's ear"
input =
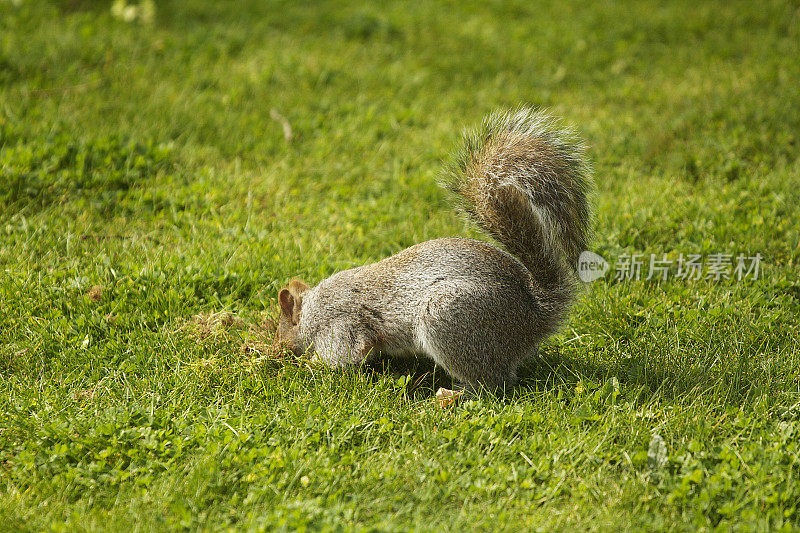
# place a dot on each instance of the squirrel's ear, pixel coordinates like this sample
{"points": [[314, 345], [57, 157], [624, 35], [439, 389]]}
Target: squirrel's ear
{"points": [[291, 300], [287, 302]]}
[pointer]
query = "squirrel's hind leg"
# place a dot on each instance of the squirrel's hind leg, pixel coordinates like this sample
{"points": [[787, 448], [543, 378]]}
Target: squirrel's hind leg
{"points": [[472, 365], [479, 338]]}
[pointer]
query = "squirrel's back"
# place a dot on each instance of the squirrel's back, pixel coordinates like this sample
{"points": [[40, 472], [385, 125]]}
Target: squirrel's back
{"points": [[405, 280], [444, 285]]}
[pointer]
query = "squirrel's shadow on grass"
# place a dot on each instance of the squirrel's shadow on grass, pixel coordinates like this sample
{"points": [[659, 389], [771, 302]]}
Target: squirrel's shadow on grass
{"points": [[425, 376], [542, 372], [546, 371], [639, 377]]}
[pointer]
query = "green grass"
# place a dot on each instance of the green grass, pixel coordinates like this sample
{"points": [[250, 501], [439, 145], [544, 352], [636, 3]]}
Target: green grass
{"points": [[150, 209]]}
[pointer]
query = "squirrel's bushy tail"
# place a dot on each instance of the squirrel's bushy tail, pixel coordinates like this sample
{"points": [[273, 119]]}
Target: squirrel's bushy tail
{"points": [[523, 179]]}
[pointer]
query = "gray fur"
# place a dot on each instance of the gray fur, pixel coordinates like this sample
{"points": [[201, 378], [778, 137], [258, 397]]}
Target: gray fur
{"points": [[475, 309]]}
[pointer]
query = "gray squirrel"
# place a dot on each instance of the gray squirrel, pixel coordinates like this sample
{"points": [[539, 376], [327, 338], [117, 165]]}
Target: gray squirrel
{"points": [[477, 310]]}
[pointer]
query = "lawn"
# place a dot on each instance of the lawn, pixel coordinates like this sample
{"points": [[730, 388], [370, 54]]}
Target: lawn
{"points": [[165, 168]]}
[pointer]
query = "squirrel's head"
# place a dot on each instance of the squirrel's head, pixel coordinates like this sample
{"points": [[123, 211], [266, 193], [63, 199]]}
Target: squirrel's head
{"points": [[291, 302]]}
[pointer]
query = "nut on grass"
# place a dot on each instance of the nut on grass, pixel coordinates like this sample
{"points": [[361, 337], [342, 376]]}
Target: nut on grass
{"points": [[448, 397]]}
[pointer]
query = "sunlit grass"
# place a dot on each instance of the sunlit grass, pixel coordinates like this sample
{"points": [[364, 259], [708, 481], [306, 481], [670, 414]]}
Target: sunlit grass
{"points": [[152, 204]]}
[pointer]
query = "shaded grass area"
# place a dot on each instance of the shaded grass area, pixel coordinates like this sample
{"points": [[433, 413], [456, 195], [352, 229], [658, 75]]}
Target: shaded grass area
{"points": [[151, 206]]}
